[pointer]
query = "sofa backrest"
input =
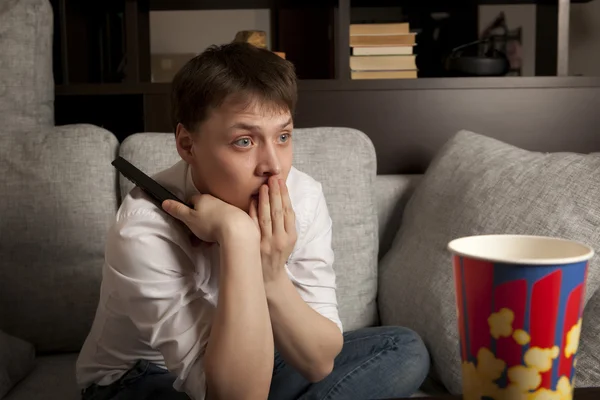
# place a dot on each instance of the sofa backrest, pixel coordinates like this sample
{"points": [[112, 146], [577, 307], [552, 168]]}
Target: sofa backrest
{"points": [[343, 161], [62, 194], [58, 200], [392, 192], [26, 80]]}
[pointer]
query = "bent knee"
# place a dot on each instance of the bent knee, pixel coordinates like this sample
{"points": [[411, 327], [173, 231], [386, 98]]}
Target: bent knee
{"points": [[411, 351], [410, 341]]}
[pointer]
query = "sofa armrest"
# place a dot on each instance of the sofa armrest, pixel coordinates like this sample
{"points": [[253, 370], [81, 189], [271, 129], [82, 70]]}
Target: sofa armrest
{"points": [[17, 359]]}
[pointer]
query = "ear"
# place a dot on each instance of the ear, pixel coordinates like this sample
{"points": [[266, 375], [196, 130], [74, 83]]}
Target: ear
{"points": [[185, 143]]}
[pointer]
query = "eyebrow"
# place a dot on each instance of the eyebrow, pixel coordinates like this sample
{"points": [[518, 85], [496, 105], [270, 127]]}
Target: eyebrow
{"points": [[250, 127]]}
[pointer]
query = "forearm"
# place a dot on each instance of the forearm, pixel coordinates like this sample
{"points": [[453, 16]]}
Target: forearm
{"points": [[307, 340], [239, 355]]}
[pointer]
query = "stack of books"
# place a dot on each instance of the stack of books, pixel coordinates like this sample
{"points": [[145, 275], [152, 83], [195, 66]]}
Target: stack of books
{"points": [[382, 51]]}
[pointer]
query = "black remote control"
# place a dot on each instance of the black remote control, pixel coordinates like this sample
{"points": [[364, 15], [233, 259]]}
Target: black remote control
{"points": [[156, 191]]}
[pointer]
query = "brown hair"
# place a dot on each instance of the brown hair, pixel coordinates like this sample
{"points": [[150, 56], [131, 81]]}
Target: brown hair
{"points": [[239, 69]]}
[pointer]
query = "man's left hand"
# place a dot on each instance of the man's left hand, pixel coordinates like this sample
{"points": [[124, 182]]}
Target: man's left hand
{"points": [[275, 218]]}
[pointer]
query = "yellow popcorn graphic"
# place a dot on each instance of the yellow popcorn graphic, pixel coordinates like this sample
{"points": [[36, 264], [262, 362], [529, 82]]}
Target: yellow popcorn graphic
{"points": [[526, 378], [544, 394], [521, 337], [563, 391], [541, 359], [512, 392], [564, 388], [479, 380], [573, 339], [488, 366], [476, 384], [555, 351], [483, 376], [501, 323], [471, 382]]}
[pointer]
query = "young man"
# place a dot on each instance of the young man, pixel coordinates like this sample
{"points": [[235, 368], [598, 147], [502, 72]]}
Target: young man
{"points": [[250, 312]]}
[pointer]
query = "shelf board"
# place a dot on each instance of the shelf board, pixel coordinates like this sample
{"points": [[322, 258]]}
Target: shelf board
{"points": [[168, 5], [100, 89], [453, 4], [452, 83], [354, 85]]}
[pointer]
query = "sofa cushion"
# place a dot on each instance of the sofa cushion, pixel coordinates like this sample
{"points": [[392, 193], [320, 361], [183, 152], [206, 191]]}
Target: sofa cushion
{"points": [[392, 192], [59, 197], [52, 378], [26, 81], [150, 152], [343, 160], [588, 360], [16, 361], [478, 185]]}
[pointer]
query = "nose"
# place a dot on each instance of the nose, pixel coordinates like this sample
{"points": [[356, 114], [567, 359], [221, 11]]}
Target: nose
{"points": [[268, 164]]}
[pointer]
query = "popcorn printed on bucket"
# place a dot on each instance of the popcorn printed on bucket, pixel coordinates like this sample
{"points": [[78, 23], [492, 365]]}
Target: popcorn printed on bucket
{"points": [[573, 339], [523, 380], [501, 323], [541, 359], [521, 337]]}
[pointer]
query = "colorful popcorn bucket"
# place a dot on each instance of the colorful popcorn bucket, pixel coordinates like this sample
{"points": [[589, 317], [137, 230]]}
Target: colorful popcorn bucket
{"points": [[519, 304]]}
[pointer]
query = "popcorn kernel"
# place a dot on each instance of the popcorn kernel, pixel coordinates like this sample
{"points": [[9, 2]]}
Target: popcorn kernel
{"points": [[521, 337], [471, 382], [540, 359], [512, 392], [544, 394], [488, 366], [526, 378], [573, 339], [564, 388], [501, 323]]}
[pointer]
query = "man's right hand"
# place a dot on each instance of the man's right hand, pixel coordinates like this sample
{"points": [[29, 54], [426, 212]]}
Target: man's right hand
{"points": [[242, 309], [211, 219]]}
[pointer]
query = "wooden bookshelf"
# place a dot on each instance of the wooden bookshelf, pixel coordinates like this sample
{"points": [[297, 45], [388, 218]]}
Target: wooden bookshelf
{"points": [[102, 54], [109, 41]]}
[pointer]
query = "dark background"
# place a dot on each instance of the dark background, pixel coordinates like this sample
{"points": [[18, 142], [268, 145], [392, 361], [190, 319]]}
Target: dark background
{"points": [[102, 76]]}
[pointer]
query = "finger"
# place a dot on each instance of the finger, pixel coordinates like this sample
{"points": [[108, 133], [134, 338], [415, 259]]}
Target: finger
{"points": [[177, 210], [289, 216], [276, 206], [254, 212], [264, 212]]}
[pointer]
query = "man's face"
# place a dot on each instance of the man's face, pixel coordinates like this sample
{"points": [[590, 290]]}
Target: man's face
{"points": [[237, 148]]}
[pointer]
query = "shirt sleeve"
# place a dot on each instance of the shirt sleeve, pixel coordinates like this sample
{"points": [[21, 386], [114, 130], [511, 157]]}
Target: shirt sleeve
{"points": [[154, 281], [311, 262]]}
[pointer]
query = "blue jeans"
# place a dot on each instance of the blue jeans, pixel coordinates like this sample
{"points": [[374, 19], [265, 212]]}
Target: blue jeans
{"points": [[375, 363]]}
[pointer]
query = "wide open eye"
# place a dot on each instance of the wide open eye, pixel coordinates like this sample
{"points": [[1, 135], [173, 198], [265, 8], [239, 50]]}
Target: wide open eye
{"points": [[284, 137], [243, 142]]}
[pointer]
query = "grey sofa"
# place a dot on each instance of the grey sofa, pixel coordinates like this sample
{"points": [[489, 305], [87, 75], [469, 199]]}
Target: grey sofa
{"points": [[60, 193], [63, 194]]}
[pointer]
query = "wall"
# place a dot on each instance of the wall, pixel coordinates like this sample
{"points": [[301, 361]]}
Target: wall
{"points": [[584, 48], [516, 16], [584, 34], [185, 31]]}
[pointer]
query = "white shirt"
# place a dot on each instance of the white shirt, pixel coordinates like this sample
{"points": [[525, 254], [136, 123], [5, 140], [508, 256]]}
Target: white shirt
{"points": [[159, 293]]}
